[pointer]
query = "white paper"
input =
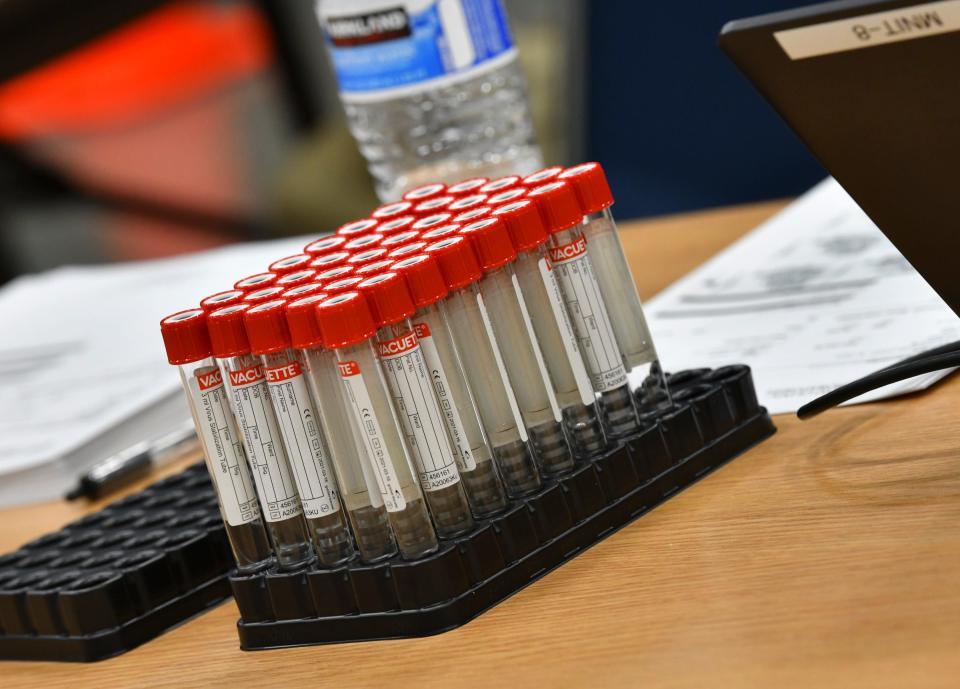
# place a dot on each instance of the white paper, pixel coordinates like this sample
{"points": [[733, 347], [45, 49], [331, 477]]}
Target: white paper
{"points": [[812, 299]]}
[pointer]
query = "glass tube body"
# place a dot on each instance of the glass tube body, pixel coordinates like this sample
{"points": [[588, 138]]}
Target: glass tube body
{"points": [[359, 491], [561, 353], [305, 442], [415, 403], [576, 277], [496, 404], [620, 294], [474, 454], [369, 401], [279, 501], [226, 461], [529, 378]]}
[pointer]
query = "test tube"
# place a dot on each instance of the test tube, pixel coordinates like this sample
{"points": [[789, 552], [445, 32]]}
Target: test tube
{"points": [[467, 186], [325, 245], [290, 264], [616, 282], [188, 348], [301, 431], [405, 371], [570, 259], [347, 327], [358, 486], [474, 454], [519, 346], [245, 380], [556, 336], [255, 282], [541, 177], [221, 299], [474, 341]]}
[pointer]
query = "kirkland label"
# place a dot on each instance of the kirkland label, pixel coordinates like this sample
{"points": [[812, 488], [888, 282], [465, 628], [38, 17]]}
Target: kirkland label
{"points": [[400, 48], [225, 457], [501, 369], [544, 374], [275, 485], [358, 401], [567, 334], [306, 449], [406, 374], [441, 386], [574, 274]]}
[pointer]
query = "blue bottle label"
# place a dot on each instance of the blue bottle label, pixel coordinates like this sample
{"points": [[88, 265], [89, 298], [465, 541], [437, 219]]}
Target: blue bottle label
{"points": [[402, 48]]}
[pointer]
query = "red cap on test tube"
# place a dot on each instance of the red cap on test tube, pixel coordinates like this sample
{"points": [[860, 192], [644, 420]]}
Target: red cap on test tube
{"points": [[425, 192], [507, 196], [457, 261], [465, 203], [255, 282], [491, 242], [357, 227], [293, 279], [395, 241], [392, 210], [467, 186], [266, 326], [407, 250], [364, 241], [430, 221], [346, 284], [326, 245], [558, 206], [396, 225], [290, 264], [185, 336], [327, 261], [368, 256], [424, 279], [228, 336], [388, 297], [541, 176], [500, 184], [438, 204], [440, 232], [302, 321], [334, 273], [590, 184], [221, 299], [472, 215], [523, 222], [262, 295], [344, 319], [301, 291], [370, 269]]}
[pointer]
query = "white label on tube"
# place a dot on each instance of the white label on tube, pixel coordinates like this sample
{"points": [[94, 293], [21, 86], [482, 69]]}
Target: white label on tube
{"points": [[225, 456], [501, 369], [303, 440], [588, 315], [412, 391], [358, 401], [569, 337], [275, 485], [441, 386], [538, 355]]}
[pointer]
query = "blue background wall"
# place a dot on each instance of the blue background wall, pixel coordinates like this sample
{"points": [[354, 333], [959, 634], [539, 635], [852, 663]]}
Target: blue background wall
{"points": [[673, 121]]}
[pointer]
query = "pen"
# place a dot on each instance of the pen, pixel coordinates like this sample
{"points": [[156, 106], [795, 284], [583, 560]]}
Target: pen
{"points": [[127, 466]]}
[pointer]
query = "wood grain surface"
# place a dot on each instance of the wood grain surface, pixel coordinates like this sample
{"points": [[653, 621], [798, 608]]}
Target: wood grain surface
{"points": [[827, 557]]}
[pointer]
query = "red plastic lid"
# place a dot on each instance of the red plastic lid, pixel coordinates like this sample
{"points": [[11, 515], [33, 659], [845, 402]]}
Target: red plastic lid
{"points": [[324, 246], [499, 184], [427, 191], [407, 250], [337, 258], [292, 279], [344, 319], [507, 196], [185, 336], [590, 184], [396, 225], [424, 279], [558, 206], [465, 203], [266, 325], [491, 242], [467, 186], [432, 206], [221, 299], [302, 321], [290, 264], [388, 297], [368, 256], [429, 221], [472, 215], [541, 176], [523, 222], [301, 291], [334, 273], [392, 210], [439, 232], [228, 336], [262, 295], [457, 261], [375, 268], [397, 240], [364, 241], [255, 282], [351, 229], [346, 284]]}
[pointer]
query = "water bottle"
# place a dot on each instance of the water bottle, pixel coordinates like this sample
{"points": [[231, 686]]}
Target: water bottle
{"points": [[431, 88]]}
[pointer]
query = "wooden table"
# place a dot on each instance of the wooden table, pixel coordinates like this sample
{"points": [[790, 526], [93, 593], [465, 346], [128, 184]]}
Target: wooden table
{"points": [[827, 557]]}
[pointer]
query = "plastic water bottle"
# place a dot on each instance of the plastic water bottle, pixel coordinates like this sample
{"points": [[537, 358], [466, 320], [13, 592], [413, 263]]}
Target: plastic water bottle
{"points": [[431, 88]]}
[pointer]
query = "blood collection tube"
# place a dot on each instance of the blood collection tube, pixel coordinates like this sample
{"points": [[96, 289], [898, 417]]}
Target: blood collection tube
{"points": [[395, 241], [430, 221], [188, 348], [244, 377], [616, 282], [467, 186], [367, 256], [507, 196], [325, 245], [331, 260], [425, 192], [438, 204], [301, 291], [408, 381], [299, 277], [368, 270], [301, 431], [396, 225], [335, 273], [392, 210], [440, 232], [407, 250], [261, 295], [519, 346], [471, 215], [255, 282], [500, 184], [357, 227], [347, 284], [359, 492], [347, 327], [363, 242], [474, 454], [548, 314], [221, 299], [481, 361], [570, 259], [465, 203], [290, 264], [541, 177]]}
